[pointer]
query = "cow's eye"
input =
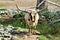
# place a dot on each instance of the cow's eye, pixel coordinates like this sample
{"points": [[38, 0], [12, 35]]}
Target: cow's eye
{"points": [[34, 16], [28, 19]]}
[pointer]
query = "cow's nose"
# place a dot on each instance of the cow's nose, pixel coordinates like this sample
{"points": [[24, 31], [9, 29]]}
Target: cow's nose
{"points": [[33, 21]]}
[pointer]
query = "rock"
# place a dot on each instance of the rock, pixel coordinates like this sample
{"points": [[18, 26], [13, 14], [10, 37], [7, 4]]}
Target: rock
{"points": [[32, 37], [15, 38], [1, 30], [1, 25], [6, 38], [0, 38], [14, 32]]}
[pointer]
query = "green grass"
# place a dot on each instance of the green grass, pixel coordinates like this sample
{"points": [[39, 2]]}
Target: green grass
{"points": [[44, 28], [1, 5], [3, 9], [58, 2], [43, 37]]}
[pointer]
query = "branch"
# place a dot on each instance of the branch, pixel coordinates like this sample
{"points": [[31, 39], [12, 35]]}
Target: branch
{"points": [[41, 3], [54, 21], [53, 3], [57, 20]]}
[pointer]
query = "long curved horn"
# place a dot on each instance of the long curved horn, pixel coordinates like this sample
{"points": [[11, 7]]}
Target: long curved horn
{"points": [[30, 7], [27, 10], [24, 10], [18, 8]]}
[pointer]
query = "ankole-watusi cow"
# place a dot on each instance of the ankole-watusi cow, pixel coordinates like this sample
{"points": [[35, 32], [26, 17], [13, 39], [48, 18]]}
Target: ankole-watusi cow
{"points": [[31, 17]]}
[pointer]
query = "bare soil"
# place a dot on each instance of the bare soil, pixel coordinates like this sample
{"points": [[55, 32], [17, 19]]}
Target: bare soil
{"points": [[20, 3], [25, 37]]}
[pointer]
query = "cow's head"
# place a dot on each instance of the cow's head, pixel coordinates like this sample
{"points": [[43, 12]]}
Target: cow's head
{"points": [[32, 13]]}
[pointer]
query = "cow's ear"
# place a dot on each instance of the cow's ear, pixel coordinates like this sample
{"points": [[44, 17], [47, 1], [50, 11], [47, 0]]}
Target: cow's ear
{"points": [[28, 11]]}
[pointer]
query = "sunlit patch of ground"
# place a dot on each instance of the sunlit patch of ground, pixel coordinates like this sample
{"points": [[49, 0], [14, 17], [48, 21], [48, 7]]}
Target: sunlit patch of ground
{"points": [[25, 37], [1, 5]]}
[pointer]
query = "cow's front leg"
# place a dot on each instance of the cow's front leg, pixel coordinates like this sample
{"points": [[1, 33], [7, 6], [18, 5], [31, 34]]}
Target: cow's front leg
{"points": [[34, 32], [30, 30]]}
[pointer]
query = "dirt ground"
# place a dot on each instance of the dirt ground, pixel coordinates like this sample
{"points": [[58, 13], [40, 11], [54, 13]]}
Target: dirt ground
{"points": [[24, 4], [25, 37], [20, 3]]}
